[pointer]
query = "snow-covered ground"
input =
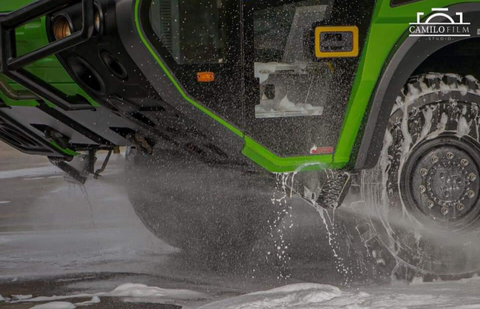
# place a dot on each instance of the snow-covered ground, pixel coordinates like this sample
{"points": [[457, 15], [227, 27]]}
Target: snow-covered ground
{"points": [[461, 294], [87, 246]]}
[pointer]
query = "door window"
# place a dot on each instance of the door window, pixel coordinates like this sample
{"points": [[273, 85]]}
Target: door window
{"points": [[191, 30], [292, 84]]}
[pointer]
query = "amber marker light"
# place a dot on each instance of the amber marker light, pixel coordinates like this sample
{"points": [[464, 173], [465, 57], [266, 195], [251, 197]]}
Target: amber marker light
{"points": [[205, 77]]}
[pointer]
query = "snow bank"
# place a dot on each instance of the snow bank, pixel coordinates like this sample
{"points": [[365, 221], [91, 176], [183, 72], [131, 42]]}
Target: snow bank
{"points": [[67, 305], [312, 296], [141, 290], [55, 305], [135, 291], [303, 295], [94, 300], [22, 297]]}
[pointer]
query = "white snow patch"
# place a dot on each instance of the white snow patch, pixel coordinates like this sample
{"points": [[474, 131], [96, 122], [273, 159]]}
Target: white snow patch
{"points": [[471, 78], [417, 280], [141, 290], [55, 305], [463, 89], [30, 172], [454, 75], [34, 178], [463, 127], [55, 177], [303, 295], [310, 296], [433, 76], [441, 127], [22, 297], [67, 305], [94, 300], [126, 290]]}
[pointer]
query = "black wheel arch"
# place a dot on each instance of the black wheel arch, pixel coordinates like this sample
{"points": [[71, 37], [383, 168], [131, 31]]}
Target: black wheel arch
{"points": [[410, 56]]}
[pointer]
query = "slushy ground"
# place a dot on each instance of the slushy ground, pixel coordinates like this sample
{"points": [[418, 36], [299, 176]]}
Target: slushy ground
{"points": [[66, 246]]}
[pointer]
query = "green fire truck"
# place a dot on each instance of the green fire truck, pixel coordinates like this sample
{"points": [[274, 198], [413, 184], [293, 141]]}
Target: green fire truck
{"points": [[215, 97]]}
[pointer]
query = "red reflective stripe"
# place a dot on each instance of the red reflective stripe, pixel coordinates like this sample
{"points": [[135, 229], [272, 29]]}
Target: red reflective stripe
{"points": [[323, 150]]}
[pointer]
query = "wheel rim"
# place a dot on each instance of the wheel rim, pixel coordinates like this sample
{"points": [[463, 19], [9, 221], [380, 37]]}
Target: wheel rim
{"points": [[439, 183], [415, 235]]}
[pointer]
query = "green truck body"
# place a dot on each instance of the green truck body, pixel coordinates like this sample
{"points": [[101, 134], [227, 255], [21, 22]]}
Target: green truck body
{"points": [[389, 27]]}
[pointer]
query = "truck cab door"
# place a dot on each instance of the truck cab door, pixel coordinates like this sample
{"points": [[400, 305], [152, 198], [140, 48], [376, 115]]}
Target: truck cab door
{"points": [[301, 59], [200, 42]]}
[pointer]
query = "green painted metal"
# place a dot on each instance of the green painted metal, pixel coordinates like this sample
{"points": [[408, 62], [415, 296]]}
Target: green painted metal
{"points": [[388, 26], [8, 6], [252, 149], [66, 151], [31, 37], [276, 164], [174, 81]]}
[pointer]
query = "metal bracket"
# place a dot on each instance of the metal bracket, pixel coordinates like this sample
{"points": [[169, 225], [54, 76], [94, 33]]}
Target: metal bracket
{"points": [[104, 165], [14, 67]]}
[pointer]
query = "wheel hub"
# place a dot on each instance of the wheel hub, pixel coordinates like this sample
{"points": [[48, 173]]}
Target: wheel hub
{"points": [[440, 182]]}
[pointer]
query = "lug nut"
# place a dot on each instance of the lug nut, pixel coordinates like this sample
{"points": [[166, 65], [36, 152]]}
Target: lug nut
{"points": [[430, 204], [460, 207], [450, 155], [422, 189], [423, 172], [472, 177], [444, 211], [464, 162], [470, 193], [434, 159]]}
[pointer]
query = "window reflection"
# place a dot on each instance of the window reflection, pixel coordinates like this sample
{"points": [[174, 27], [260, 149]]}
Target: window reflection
{"points": [[291, 83], [191, 30]]}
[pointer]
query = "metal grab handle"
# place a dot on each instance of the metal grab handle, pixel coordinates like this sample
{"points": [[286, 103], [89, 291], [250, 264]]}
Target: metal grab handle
{"points": [[17, 95]]}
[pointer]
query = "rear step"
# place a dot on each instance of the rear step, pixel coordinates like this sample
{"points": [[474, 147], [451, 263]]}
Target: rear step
{"points": [[77, 170], [327, 188], [335, 189]]}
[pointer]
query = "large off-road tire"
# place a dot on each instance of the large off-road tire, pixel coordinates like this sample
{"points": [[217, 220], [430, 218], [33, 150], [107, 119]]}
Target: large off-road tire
{"points": [[209, 211], [423, 196]]}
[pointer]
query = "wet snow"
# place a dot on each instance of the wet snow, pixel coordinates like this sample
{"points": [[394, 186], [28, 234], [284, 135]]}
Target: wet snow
{"points": [[141, 290], [134, 291], [396, 296], [22, 297], [55, 305]]}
